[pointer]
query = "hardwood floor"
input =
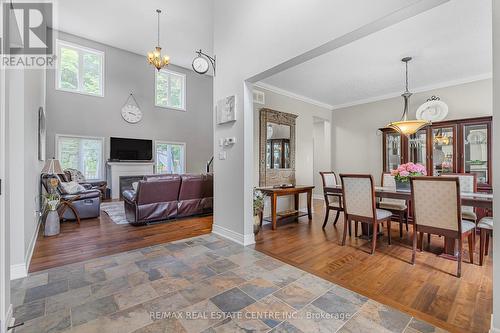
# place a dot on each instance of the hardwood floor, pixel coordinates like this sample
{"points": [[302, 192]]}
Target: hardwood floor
{"points": [[101, 237], [428, 290]]}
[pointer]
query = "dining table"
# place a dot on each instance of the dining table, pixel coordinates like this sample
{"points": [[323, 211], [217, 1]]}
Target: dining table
{"points": [[473, 199]]}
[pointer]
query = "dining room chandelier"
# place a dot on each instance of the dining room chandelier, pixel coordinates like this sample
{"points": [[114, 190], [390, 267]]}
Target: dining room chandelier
{"points": [[155, 58], [405, 126]]}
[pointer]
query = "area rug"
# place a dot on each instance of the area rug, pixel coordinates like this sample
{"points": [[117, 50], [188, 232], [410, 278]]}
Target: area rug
{"points": [[115, 211]]}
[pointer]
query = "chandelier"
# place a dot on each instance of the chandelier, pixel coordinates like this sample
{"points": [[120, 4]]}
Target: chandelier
{"points": [[441, 139], [155, 58], [405, 126]]}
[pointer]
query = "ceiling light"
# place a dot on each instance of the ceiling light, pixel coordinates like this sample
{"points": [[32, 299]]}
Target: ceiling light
{"points": [[405, 126], [155, 58]]}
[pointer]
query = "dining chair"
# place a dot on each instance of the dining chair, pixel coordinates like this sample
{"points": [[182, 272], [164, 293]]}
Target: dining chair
{"points": [[485, 226], [437, 210], [397, 207], [358, 194], [468, 183], [332, 201]]}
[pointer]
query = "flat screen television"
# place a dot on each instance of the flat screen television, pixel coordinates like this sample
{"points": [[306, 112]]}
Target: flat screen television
{"points": [[123, 149]]}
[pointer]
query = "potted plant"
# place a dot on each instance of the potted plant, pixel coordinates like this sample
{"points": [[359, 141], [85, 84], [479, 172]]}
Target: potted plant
{"points": [[51, 203], [403, 173], [258, 207], [52, 225]]}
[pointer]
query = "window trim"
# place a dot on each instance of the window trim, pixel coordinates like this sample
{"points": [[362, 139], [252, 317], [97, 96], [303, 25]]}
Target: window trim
{"points": [[170, 143], [184, 93], [102, 169], [79, 48]]}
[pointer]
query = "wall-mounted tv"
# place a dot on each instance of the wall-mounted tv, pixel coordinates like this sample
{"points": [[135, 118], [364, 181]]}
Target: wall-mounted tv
{"points": [[123, 149]]}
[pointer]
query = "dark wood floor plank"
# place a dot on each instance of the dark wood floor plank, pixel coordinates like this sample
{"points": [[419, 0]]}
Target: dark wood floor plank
{"points": [[428, 290]]}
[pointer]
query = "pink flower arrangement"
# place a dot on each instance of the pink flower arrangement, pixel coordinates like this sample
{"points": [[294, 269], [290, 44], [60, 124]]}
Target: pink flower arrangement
{"points": [[407, 170]]}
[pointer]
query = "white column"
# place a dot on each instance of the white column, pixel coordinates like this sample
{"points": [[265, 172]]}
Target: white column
{"points": [[495, 323]]}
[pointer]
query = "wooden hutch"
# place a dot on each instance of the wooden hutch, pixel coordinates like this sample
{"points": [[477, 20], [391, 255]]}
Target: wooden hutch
{"points": [[453, 146]]}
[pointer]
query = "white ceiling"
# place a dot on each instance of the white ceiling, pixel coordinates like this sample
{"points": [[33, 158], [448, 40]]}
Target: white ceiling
{"points": [[449, 44], [132, 25]]}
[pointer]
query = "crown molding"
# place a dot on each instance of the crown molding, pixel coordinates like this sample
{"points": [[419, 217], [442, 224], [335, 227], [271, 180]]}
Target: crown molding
{"points": [[439, 85], [305, 99], [290, 94]]}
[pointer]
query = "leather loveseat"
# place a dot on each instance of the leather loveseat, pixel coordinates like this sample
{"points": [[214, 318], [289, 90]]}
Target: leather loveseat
{"points": [[164, 197]]}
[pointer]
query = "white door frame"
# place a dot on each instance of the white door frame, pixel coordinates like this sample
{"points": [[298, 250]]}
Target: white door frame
{"points": [[5, 304]]}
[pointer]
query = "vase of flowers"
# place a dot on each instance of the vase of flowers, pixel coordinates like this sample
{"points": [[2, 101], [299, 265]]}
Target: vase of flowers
{"points": [[403, 173], [52, 225], [258, 207]]}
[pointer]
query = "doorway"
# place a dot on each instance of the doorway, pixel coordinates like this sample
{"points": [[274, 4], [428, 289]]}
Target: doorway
{"points": [[321, 153]]}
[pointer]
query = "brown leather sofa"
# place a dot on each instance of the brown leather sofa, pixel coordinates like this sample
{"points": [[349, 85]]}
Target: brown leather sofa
{"points": [[164, 197]]}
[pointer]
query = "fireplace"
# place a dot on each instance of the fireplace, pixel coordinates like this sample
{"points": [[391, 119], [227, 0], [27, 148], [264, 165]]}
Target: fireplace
{"points": [[129, 171], [126, 183]]}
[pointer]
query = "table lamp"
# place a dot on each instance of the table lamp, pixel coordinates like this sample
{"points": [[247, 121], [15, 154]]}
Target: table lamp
{"points": [[52, 167]]}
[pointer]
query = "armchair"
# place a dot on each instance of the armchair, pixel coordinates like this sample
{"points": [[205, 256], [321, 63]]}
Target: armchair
{"points": [[75, 206]]}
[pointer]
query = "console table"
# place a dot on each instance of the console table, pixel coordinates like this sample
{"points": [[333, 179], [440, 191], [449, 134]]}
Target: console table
{"points": [[275, 192]]}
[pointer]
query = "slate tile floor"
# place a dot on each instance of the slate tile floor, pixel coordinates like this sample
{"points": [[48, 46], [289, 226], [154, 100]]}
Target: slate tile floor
{"points": [[203, 284]]}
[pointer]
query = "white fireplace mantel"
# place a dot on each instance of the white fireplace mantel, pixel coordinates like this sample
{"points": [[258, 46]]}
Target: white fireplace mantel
{"points": [[115, 170]]}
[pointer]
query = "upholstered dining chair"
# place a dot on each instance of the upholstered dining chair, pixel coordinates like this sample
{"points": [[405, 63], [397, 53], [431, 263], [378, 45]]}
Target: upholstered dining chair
{"points": [[468, 183], [397, 207], [437, 210], [485, 226], [358, 193], [332, 201]]}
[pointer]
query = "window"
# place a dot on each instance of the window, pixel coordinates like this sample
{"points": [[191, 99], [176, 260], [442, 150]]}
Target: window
{"points": [[82, 153], [79, 69], [170, 157], [170, 90]]}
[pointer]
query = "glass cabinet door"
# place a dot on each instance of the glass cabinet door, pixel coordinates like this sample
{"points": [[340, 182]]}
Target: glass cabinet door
{"points": [[443, 153], [475, 154], [417, 147], [392, 151], [277, 153]]}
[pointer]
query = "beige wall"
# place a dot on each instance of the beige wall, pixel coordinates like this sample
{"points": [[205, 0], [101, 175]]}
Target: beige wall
{"points": [[356, 142]]}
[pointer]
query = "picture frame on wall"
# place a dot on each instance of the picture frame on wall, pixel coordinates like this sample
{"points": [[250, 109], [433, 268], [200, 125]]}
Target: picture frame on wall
{"points": [[42, 134], [226, 110]]}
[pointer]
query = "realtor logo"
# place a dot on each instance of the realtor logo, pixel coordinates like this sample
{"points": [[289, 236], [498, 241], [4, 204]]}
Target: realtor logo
{"points": [[25, 28], [27, 40]]}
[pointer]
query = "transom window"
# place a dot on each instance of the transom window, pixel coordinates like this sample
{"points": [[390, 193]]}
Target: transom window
{"points": [[170, 157], [81, 153], [79, 69], [170, 90]]}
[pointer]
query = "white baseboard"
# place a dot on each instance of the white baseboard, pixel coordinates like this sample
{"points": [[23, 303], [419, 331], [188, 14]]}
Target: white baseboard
{"points": [[31, 247], [9, 320], [19, 271], [493, 329], [241, 239]]}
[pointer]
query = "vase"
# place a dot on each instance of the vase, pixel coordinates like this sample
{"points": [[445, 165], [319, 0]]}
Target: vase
{"points": [[52, 225], [403, 186], [256, 224]]}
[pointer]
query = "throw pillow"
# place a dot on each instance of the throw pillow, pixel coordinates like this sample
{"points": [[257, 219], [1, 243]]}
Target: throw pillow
{"points": [[134, 186], [76, 175], [72, 187]]}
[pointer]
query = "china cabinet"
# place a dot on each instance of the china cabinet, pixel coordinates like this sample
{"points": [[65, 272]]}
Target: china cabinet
{"points": [[454, 146]]}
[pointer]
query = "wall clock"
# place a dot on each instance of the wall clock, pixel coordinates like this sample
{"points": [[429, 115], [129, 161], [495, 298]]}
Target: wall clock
{"points": [[131, 112], [200, 64]]}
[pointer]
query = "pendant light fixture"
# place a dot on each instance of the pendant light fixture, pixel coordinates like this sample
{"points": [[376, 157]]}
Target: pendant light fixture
{"points": [[405, 126], [155, 58]]}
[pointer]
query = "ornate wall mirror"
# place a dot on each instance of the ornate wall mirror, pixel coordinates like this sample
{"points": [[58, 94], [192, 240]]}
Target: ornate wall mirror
{"points": [[276, 148]]}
